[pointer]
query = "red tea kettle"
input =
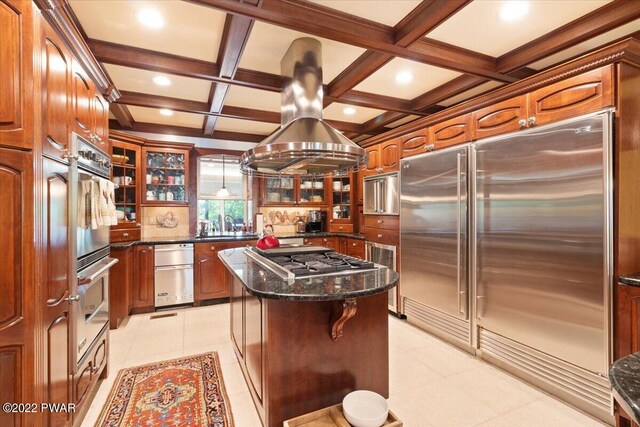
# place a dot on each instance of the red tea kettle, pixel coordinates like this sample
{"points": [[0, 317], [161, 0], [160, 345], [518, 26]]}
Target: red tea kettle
{"points": [[268, 241]]}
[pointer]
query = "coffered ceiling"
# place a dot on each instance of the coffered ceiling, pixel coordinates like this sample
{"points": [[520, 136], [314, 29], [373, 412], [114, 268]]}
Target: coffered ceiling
{"points": [[215, 64]]}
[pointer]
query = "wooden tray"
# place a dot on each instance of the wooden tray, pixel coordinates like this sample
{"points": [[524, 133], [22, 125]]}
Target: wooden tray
{"points": [[332, 417]]}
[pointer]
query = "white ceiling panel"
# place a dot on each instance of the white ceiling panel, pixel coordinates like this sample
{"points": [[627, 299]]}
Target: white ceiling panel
{"points": [[388, 12], [152, 115], [245, 126], [470, 93], [268, 44], [189, 30], [583, 47], [136, 80], [478, 26], [425, 78], [241, 96], [335, 111]]}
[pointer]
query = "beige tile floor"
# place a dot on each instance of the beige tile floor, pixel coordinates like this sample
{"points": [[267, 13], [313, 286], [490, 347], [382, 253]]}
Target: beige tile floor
{"points": [[431, 383]]}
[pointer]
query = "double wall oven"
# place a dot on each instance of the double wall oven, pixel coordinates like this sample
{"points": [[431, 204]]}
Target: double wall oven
{"points": [[90, 295]]}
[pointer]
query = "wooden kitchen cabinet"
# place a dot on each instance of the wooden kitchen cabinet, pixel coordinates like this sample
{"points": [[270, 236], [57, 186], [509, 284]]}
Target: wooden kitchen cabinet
{"points": [[415, 143], [383, 158], [342, 204], [100, 121], [56, 94], [294, 191], [253, 342], [121, 277], [125, 160], [81, 98], [354, 248], [211, 280], [143, 298], [451, 132], [16, 68], [373, 161], [504, 117], [584, 93], [165, 174]]}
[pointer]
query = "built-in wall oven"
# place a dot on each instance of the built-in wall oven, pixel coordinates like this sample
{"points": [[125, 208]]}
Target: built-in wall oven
{"points": [[90, 313], [384, 255]]}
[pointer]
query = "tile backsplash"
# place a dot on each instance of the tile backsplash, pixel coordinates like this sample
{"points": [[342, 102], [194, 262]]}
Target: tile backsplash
{"points": [[284, 219], [151, 228]]}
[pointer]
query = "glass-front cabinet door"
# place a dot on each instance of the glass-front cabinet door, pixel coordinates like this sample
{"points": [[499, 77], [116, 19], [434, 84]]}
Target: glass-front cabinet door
{"points": [[342, 207], [165, 176], [312, 190], [124, 173], [279, 191]]}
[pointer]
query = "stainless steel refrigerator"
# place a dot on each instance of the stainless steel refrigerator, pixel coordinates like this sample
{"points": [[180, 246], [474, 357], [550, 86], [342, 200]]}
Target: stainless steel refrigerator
{"points": [[537, 255]]}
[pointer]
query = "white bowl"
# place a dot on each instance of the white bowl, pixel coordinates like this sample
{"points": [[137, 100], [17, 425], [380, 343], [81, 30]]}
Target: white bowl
{"points": [[363, 408]]}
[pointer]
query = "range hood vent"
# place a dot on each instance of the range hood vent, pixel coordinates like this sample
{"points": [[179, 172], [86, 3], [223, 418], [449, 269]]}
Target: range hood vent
{"points": [[304, 144]]}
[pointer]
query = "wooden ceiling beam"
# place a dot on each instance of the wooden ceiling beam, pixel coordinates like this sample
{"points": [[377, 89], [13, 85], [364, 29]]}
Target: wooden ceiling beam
{"points": [[122, 115], [369, 100], [186, 131], [229, 111], [234, 39], [329, 23], [424, 18]]}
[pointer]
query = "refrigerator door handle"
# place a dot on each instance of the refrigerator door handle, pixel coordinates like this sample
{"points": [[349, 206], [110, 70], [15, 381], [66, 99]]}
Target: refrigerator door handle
{"points": [[459, 235], [383, 195], [375, 195]]}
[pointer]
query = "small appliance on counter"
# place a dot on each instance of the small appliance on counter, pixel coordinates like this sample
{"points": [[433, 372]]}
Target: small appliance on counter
{"points": [[316, 222]]}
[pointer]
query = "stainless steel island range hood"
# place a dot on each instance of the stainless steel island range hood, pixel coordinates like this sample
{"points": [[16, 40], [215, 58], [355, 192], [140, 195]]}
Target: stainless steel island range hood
{"points": [[304, 143]]}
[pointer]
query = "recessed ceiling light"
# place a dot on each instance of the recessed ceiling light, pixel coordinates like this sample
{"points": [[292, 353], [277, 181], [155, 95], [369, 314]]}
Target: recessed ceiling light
{"points": [[166, 112], [512, 10], [150, 18], [404, 77], [161, 81], [349, 111]]}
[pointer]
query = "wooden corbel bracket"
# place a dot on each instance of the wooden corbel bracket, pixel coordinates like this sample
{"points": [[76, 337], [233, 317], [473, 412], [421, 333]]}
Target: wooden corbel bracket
{"points": [[349, 309]]}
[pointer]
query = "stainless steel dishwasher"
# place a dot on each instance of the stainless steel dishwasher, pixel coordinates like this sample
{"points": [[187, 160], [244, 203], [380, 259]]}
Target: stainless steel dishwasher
{"points": [[173, 274]]}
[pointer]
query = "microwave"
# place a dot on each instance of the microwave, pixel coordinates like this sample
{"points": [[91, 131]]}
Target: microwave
{"points": [[382, 195]]}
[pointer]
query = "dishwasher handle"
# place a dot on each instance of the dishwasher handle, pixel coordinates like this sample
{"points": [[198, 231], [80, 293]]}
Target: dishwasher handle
{"points": [[175, 267]]}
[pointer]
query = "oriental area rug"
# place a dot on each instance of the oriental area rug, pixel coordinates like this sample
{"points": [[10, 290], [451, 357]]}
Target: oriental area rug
{"points": [[181, 392]]}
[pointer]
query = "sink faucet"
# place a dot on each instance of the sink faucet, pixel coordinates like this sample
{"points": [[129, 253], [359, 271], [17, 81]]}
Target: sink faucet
{"points": [[228, 219]]}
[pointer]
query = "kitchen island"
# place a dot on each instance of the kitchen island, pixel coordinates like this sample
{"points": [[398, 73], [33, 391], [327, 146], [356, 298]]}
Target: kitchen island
{"points": [[304, 343]]}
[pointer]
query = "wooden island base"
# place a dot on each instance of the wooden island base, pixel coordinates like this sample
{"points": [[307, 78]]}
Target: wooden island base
{"points": [[290, 361]]}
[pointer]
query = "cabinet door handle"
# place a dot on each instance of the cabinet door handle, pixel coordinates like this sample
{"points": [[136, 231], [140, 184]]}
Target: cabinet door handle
{"points": [[68, 156], [72, 298], [379, 170], [430, 147], [341, 227], [125, 234], [522, 123], [354, 244], [213, 248], [380, 221], [532, 121], [379, 236]]}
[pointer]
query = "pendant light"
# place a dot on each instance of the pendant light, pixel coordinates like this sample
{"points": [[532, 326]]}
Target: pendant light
{"points": [[223, 192]]}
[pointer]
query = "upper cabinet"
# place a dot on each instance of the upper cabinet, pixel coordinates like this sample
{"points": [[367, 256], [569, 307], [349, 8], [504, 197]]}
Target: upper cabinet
{"points": [[415, 143], [342, 207], [451, 132], [383, 158], [56, 94], [81, 101], [293, 191], [100, 121], [165, 172], [16, 69], [503, 117], [578, 95]]}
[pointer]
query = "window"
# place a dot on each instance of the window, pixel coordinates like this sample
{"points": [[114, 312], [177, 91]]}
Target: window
{"points": [[228, 212]]}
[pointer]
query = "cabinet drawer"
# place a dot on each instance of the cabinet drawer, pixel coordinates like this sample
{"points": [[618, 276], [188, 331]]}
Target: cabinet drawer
{"points": [[340, 228], [209, 247], [378, 235], [125, 235], [87, 376], [355, 248], [313, 241], [386, 222]]}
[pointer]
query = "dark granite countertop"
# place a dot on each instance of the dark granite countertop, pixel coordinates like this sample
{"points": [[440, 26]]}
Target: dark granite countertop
{"points": [[224, 237], [263, 283], [624, 375], [633, 279]]}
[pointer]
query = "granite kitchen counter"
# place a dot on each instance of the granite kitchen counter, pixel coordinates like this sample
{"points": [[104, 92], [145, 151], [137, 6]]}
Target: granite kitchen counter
{"points": [[225, 237], [260, 281], [624, 375]]}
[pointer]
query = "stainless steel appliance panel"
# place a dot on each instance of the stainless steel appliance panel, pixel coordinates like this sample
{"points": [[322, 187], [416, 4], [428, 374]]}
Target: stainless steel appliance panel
{"points": [[174, 254], [173, 285], [384, 255], [434, 231], [93, 305], [382, 195], [541, 262]]}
